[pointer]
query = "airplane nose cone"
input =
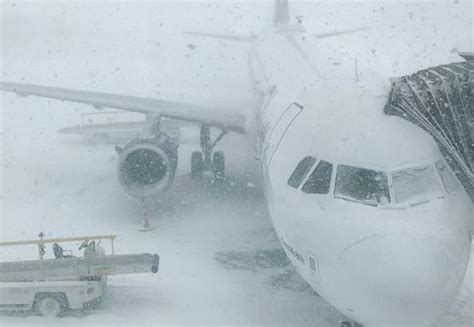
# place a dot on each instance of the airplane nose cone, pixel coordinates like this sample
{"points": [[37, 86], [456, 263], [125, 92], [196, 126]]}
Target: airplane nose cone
{"points": [[409, 279]]}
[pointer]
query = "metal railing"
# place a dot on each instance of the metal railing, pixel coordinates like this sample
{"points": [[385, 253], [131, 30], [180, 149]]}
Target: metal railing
{"points": [[42, 241]]}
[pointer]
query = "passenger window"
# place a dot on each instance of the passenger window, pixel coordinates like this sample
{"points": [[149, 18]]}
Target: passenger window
{"points": [[300, 171], [319, 181]]}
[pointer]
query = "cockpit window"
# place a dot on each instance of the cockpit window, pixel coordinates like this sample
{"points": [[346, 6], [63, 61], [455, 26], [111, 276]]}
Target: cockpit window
{"points": [[300, 171], [449, 181], [319, 181], [362, 185], [416, 184]]}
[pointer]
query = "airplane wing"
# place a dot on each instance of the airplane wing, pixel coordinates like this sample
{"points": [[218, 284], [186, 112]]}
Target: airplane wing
{"points": [[224, 118]]}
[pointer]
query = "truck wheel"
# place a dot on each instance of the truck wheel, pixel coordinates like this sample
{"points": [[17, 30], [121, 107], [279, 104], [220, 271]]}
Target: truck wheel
{"points": [[197, 165], [50, 305]]}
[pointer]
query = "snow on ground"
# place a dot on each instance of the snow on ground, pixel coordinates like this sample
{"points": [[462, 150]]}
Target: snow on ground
{"points": [[63, 187], [221, 262]]}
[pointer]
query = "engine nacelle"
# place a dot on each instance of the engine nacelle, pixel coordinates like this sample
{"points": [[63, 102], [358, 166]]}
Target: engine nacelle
{"points": [[146, 167]]}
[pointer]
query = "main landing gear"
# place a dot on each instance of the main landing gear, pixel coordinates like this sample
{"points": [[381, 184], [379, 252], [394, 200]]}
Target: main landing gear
{"points": [[207, 160]]}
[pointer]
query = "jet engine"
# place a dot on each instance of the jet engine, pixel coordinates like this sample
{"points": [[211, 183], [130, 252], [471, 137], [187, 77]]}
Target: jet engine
{"points": [[146, 167]]}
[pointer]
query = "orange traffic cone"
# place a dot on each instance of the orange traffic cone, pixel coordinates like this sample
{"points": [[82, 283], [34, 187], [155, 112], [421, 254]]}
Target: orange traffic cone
{"points": [[146, 221]]}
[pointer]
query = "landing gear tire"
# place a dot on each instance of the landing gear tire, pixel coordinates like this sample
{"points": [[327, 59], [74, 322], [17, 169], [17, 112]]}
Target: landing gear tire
{"points": [[218, 164], [197, 165]]}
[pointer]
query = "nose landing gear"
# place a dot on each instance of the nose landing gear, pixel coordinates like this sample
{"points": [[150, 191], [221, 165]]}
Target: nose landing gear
{"points": [[207, 160]]}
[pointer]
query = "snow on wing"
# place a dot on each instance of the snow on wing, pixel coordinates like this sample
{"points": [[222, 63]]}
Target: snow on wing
{"points": [[225, 118]]}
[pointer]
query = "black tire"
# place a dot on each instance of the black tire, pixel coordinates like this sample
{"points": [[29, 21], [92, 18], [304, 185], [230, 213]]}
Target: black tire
{"points": [[218, 164], [197, 165], [50, 305]]}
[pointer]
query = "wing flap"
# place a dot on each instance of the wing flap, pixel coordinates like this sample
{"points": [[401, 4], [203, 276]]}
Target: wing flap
{"points": [[226, 118]]}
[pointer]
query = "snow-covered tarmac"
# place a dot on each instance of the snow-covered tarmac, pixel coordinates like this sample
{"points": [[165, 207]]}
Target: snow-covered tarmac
{"points": [[220, 260]]}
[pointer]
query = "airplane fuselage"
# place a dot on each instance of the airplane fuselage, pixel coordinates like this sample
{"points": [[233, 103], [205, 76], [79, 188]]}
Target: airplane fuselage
{"points": [[398, 257]]}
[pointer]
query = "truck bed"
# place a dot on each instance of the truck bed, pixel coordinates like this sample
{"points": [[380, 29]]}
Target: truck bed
{"points": [[77, 268]]}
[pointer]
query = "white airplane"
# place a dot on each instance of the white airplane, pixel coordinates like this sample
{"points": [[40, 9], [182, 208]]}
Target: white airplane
{"points": [[364, 204]]}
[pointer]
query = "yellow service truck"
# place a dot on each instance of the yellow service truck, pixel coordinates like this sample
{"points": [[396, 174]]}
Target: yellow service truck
{"points": [[49, 287]]}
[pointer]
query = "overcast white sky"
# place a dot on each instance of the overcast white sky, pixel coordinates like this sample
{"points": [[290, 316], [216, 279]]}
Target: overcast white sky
{"points": [[137, 47]]}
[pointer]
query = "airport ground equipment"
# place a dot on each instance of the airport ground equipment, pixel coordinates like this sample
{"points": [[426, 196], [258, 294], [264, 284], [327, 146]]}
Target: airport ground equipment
{"points": [[51, 286], [441, 101]]}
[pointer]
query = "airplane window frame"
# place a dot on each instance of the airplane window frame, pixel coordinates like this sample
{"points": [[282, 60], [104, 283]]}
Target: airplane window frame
{"points": [[448, 179], [306, 188], [419, 195], [386, 194], [304, 174]]}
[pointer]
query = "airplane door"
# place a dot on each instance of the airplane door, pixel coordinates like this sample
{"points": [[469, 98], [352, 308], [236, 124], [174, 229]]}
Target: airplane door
{"points": [[276, 135]]}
